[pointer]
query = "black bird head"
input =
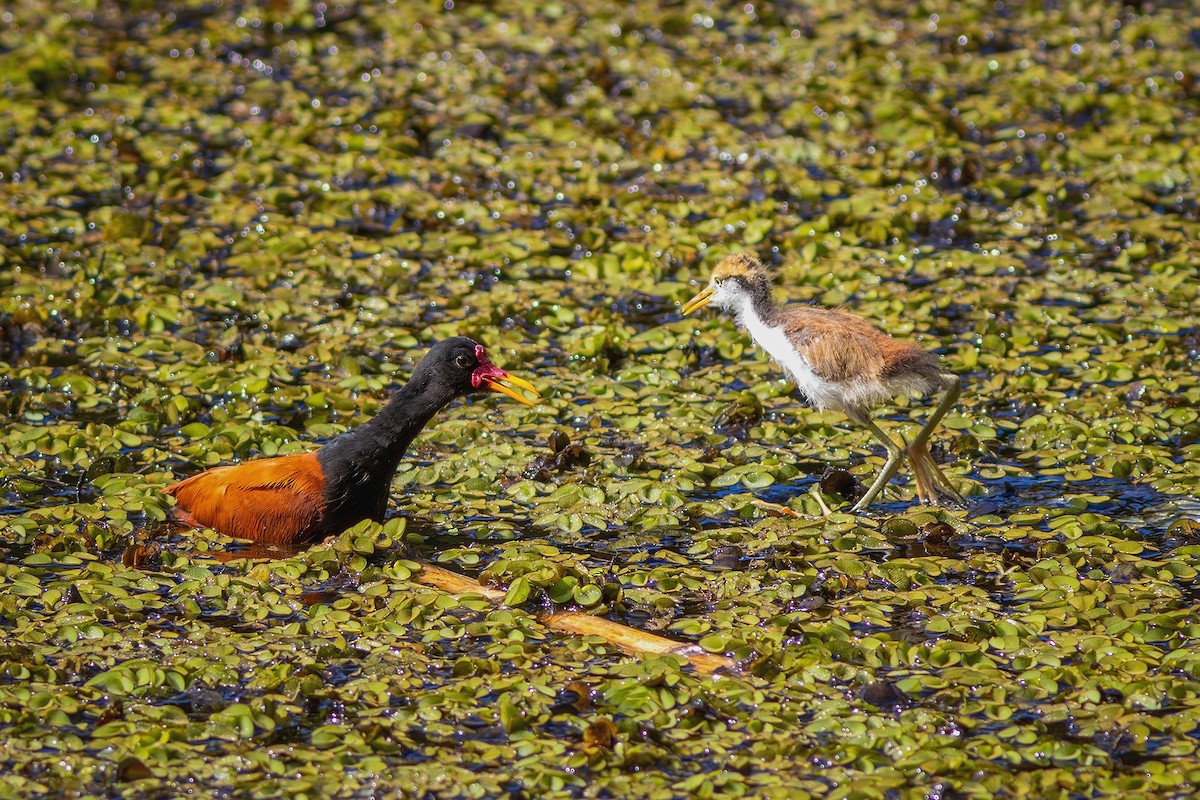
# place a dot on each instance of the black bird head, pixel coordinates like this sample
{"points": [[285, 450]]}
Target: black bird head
{"points": [[463, 366]]}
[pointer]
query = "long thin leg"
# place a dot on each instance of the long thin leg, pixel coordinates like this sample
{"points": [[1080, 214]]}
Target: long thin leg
{"points": [[932, 484], [890, 467]]}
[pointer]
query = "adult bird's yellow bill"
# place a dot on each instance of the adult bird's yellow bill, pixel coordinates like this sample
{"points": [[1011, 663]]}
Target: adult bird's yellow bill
{"points": [[495, 385]]}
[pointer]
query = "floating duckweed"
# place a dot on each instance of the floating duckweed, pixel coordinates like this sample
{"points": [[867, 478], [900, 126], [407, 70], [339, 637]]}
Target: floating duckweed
{"points": [[227, 232]]}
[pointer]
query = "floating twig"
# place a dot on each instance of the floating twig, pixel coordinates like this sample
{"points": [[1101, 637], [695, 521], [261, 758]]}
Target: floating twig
{"points": [[623, 637]]}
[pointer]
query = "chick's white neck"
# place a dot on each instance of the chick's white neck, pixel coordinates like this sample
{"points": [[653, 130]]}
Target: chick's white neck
{"points": [[774, 339]]}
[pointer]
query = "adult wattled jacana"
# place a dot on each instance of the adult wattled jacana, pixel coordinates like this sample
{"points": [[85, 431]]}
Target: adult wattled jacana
{"points": [[306, 497], [840, 361]]}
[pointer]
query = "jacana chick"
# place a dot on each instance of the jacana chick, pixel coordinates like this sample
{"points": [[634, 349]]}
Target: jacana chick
{"points": [[840, 361], [306, 497]]}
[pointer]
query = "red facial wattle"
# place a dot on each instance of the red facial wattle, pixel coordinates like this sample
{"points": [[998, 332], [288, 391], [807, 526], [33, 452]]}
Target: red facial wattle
{"points": [[486, 368], [489, 375]]}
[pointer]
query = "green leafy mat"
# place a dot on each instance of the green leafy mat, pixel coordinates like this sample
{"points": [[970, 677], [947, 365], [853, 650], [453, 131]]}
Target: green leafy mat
{"points": [[227, 230]]}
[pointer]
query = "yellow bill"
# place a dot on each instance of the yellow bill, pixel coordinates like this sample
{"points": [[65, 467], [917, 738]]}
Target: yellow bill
{"points": [[493, 383], [702, 298]]}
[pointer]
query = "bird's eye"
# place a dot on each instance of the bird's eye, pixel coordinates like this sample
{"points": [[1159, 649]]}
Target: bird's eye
{"points": [[462, 362]]}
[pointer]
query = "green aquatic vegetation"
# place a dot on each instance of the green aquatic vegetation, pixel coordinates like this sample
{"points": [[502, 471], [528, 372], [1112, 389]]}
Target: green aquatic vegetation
{"points": [[228, 230]]}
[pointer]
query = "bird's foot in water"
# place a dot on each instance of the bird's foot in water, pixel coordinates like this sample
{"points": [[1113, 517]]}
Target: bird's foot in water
{"points": [[933, 487], [944, 497]]}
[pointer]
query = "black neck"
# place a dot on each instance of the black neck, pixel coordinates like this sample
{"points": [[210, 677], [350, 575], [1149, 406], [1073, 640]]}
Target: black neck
{"points": [[359, 464]]}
